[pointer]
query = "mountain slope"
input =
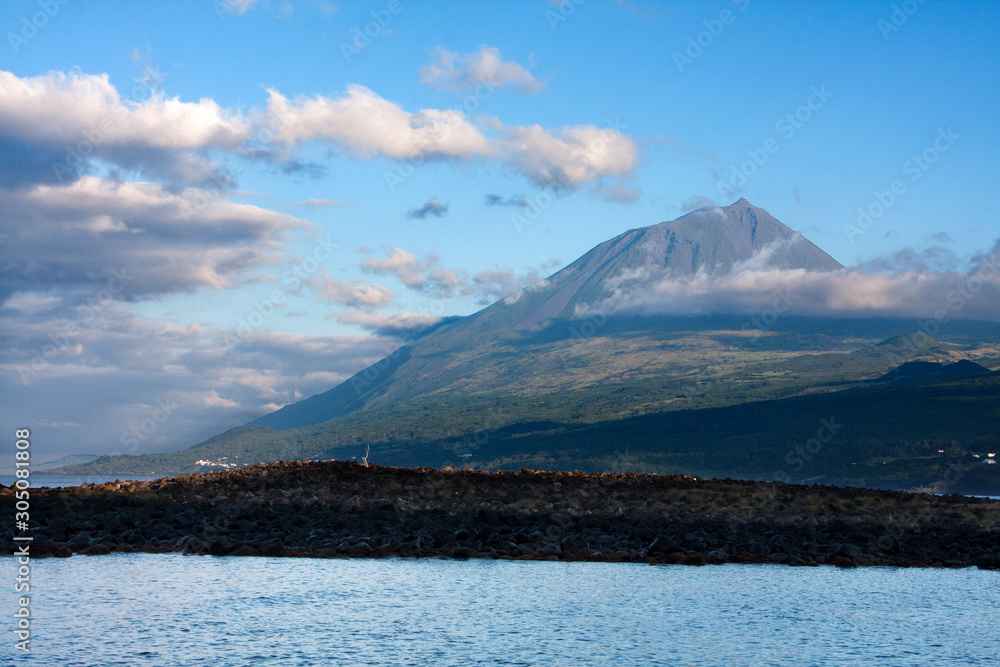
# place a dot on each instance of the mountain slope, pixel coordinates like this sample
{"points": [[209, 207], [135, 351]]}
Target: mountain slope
{"points": [[466, 355], [914, 371], [524, 381], [885, 435]]}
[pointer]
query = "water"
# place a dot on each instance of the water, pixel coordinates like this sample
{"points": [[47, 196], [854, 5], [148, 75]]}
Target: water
{"points": [[38, 480], [170, 609]]}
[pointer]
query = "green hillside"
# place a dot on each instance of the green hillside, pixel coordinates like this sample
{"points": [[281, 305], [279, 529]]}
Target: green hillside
{"points": [[527, 382], [532, 341], [706, 426]]}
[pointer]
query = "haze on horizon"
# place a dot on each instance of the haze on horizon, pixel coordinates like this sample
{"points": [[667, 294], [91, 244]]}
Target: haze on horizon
{"points": [[212, 210]]}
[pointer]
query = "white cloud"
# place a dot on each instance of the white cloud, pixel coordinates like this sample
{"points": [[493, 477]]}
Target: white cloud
{"points": [[696, 202], [75, 117], [368, 125], [934, 258], [320, 203], [450, 71], [390, 324], [974, 294], [571, 156], [237, 7], [131, 365], [425, 276], [75, 234], [327, 9], [166, 138], [66, 108], [52, 424], [429, 277], [30, 303], [405, 266], [356, 294], [504, 283]]}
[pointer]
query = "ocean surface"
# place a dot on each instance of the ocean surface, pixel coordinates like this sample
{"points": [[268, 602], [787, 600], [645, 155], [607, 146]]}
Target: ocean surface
{"points": [[38, 480], [177, 610]]}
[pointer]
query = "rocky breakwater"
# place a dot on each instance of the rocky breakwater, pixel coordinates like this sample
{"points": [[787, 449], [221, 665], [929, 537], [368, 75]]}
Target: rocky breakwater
{"points": [[341, 509]]}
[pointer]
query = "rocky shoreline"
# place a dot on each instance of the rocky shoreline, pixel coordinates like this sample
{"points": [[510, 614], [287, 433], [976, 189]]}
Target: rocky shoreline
{"points": [[343, 509]]}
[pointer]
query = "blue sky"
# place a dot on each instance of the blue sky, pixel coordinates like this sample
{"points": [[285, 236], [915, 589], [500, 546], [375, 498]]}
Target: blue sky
{"points": [[591, 118]]}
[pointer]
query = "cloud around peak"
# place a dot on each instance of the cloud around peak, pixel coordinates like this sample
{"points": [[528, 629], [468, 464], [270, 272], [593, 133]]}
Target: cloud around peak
{"points": [[850, 292]]}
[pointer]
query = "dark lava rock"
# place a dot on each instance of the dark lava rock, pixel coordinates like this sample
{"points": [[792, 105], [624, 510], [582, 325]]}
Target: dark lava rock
{"points": [[360, 549], [342, 509], [97, 550], [274, 549], [849, 550]]}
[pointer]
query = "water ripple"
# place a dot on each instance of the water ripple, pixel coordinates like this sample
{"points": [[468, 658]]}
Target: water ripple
{"points": [[169, 609]]}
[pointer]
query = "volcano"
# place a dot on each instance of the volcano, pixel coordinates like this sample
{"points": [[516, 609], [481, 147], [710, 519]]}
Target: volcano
{"points": [[559, 376], [465, 355]]}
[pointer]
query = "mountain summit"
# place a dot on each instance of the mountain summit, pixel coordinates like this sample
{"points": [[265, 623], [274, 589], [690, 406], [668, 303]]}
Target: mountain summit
{"points": [[717, 240], [709, 242], [468, 355], [568, 375]]}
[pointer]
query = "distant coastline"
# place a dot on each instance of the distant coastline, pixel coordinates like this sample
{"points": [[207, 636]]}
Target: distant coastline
{"points": [[41, 478], [75, 459], [344, 509]]}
